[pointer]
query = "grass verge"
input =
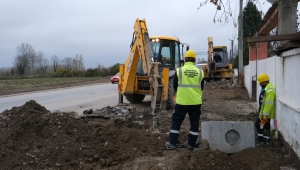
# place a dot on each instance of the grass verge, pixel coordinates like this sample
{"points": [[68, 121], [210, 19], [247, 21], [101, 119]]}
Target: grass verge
{"points": [[30, 83]]}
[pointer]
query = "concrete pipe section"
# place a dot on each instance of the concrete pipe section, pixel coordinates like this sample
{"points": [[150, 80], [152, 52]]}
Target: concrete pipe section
{"points": [[228, 136]]}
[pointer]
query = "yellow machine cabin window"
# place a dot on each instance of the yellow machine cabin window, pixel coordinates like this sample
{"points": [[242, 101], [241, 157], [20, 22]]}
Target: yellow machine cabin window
{"points": [[177, 55], [220, 57], [167, 52], [166, 56]]}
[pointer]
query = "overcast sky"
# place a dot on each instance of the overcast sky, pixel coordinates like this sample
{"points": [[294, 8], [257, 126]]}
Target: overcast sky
{"points": [[101, 30]]}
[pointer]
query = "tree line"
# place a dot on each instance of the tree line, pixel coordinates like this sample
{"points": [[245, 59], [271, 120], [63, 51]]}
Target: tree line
{"points": [[30, 63]]}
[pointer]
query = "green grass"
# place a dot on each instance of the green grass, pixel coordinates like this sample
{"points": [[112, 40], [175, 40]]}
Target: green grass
{"points": [[10, 84]]}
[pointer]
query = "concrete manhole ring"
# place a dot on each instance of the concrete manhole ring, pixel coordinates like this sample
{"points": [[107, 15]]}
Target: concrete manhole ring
{"points": [[232, 137]]}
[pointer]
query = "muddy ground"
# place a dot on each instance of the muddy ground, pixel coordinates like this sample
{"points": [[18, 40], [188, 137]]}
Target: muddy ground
{"points": [[34, 138]]}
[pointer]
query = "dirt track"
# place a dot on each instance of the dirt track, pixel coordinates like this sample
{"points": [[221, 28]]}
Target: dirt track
{"points": [[34, 138]]}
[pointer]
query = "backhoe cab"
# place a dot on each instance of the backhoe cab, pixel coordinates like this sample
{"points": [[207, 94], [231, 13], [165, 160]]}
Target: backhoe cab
{"points": [[149, 68]]}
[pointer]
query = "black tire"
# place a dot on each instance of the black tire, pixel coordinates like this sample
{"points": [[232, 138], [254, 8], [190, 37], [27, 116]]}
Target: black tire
{"points": [[171, 102], [135, 98]]}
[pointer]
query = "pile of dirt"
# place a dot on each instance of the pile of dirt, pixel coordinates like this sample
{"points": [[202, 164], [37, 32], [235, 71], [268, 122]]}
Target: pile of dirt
{"points": [[34, 138]]}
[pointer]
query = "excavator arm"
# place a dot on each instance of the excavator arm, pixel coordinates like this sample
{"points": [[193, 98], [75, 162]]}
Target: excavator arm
{"points": [[210, 62], [141, 51]]}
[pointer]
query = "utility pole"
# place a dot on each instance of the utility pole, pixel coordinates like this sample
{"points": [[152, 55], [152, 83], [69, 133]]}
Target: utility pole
{"points": [[231, 51], [240, 44]]}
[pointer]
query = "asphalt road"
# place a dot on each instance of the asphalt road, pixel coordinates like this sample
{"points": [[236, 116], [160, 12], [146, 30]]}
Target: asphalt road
{"points": [[75, 99]]}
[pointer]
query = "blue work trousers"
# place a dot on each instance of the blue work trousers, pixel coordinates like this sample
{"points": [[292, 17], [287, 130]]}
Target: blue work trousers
{"points": [[263, 134], [179, 114]]}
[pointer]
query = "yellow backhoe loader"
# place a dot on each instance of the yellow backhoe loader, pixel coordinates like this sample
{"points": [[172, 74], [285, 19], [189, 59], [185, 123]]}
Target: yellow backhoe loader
{"points": [[149, 69], [218, 65]]}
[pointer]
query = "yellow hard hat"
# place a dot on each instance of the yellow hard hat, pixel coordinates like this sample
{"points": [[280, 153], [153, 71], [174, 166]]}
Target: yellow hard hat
{"points": [[262, 78], [190, 53]]}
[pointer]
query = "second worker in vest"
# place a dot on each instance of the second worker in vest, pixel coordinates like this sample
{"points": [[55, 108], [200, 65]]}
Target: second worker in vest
{"points": [[267, 100], [188, 85]]}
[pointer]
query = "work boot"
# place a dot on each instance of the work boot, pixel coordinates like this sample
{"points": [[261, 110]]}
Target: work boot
{"points": [[189, 147], [266, 141], [259, 143], [170, 146]]}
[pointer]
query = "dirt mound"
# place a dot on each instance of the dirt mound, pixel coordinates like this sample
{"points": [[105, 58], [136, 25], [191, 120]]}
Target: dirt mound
{"points": [[32, 137], [210, 160], [251, 158]]}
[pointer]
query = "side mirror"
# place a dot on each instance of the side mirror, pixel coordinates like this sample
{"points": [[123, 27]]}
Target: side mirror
{"points": [[187, 48]]}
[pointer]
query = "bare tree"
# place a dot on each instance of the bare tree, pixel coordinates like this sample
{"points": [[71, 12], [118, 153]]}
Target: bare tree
{"points": [[78, 63], [41, 63], [39, 58], [44, 66], [67, 63], [81, 63], [23, 60], [55, 62], [32, 61], [225, 7]]}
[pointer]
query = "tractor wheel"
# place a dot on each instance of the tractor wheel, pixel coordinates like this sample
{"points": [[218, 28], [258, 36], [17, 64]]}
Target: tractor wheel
{"points": [[171, 100], [135, 98]]}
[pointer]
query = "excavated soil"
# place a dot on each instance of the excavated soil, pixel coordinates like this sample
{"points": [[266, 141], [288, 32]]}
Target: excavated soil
{"points": [[34, 138]]}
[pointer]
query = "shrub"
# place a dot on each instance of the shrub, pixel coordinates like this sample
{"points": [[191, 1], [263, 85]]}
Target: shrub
{"points": [[91, 72]]}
